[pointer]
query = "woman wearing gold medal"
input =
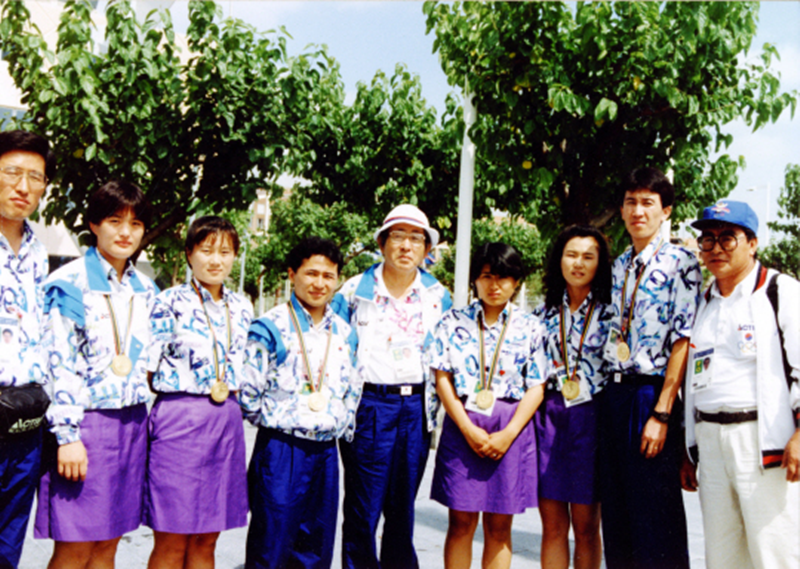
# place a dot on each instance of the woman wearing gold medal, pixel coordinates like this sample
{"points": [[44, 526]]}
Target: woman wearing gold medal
{"points": [[578, 287], [196, 473], [488, 360], [96, 325]]}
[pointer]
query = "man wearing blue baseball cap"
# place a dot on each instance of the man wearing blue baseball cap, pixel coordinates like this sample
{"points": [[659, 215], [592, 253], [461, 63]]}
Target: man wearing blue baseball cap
{"points": [[743, 399]]}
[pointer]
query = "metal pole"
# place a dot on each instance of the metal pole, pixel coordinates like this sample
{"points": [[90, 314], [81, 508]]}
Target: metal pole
{"points": [[243, 265], [466, 190]]}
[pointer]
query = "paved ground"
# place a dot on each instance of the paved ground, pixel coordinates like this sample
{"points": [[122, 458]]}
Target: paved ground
{"points": [[430, 531]]}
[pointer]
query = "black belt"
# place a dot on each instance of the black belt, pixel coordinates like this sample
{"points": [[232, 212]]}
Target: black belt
{"points": [[727, 418], [636, 379], [407, 389]]}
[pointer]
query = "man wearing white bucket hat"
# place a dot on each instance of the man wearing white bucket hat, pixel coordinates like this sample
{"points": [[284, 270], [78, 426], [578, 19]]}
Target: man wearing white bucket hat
{"points": [[394, 307]]}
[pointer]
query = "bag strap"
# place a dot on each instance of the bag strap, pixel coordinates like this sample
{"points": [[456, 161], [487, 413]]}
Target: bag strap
{"points": [[772, 295]]}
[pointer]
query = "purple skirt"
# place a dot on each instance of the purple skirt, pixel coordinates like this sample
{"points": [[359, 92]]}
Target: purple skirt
{"points": [[108, 503], [196, 472], [567, 450], [464, 481]]}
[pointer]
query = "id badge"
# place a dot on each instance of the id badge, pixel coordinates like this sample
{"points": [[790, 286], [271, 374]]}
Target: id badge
{"points": [[701, 369], [406, 360], [9, 338], [585, 394], [472, 402], [610, 349]]}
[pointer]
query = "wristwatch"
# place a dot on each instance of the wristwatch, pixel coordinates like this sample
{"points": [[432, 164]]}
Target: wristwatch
{"points": [[660, 417]]}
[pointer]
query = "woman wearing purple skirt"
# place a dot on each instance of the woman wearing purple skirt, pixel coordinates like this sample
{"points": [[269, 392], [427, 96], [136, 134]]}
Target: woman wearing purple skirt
{"points": [[488, 360], [196, 473], [578, 286], [95, 328]]}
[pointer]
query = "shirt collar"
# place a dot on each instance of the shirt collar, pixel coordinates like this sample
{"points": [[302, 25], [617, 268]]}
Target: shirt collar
{"points": [[207, 295], [744, 288], [100, 273], [647, 253], [584, 305], [479, 313], [305, 319], [380, 284], [28, 238]]}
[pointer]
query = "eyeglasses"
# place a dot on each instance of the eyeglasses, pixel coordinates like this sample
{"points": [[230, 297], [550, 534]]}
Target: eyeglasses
{"points": [[727, 240], [36, 180], [398, 237]]}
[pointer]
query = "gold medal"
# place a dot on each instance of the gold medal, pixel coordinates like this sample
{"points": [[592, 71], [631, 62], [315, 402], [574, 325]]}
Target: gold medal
{"points": [[484, 399], [570, 390], [623, 352], [121, 365], [219, 391], [317, 402]]}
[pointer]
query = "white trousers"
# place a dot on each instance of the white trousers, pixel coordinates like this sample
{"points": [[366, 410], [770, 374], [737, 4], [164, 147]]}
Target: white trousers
{"points": [[751, 516]]}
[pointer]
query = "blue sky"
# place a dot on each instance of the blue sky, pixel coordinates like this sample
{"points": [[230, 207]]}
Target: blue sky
{"points": [[365, 36]]}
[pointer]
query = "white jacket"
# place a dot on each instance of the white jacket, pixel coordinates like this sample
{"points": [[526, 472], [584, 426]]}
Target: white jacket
{"points": [[778, 399]]}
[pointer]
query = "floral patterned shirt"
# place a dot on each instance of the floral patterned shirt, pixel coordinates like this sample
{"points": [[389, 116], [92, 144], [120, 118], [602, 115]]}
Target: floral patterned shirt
{"points": [[591, 362], [22, 276], [456, 349], [665, 307], [275, 390], [181, 354], [79, 337]]}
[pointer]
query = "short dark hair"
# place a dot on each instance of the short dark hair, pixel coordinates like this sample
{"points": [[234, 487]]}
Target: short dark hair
{"points": [[12, 140], [554, 282], [310, 246], [503, 260], [651, 179], [207, 225], [113, 197]]}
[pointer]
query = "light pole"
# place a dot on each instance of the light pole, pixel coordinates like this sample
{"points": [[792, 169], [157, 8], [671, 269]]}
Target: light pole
{"points": [[766, 215]]}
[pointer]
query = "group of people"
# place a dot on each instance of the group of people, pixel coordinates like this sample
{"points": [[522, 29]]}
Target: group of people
{"points": [[580, 403]]}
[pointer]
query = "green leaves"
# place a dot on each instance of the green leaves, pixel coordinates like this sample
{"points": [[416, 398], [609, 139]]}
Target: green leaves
{"points": [[606, 109], [590, 93]]}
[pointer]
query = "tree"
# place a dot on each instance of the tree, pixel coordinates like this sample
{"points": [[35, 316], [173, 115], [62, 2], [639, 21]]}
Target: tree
{"points": [[385, 149], [521, 235], [293, 217], [571, 99], [206, 133], [784, 255]]}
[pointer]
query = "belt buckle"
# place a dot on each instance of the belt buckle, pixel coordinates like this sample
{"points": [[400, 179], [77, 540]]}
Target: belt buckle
{"points": [[406, 390]]}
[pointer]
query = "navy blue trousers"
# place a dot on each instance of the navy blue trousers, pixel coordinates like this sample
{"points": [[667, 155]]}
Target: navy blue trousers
{"points": [[644, 523], [383, 468], [293, 486], [20, 461]]}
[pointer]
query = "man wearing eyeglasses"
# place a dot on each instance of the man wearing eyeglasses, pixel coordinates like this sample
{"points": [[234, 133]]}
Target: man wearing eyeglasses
{"points": [[25, 165], [743, 399], [394, 307]]}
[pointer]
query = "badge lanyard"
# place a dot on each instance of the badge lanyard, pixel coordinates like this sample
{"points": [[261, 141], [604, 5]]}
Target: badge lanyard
{"points": [[315, 387], [563, 333], [211, 328], [625, 326], [119, 343], [486, 382]]}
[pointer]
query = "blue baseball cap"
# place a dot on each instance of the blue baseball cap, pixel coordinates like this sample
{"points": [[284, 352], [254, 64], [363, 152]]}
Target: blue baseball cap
{"points": [[728, 211]]}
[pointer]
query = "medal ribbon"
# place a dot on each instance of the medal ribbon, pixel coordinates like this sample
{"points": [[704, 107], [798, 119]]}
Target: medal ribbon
{"points": [[626, 326], [486, 382], [211, 328], [296, 323], [119, 345], [563, 335]]}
